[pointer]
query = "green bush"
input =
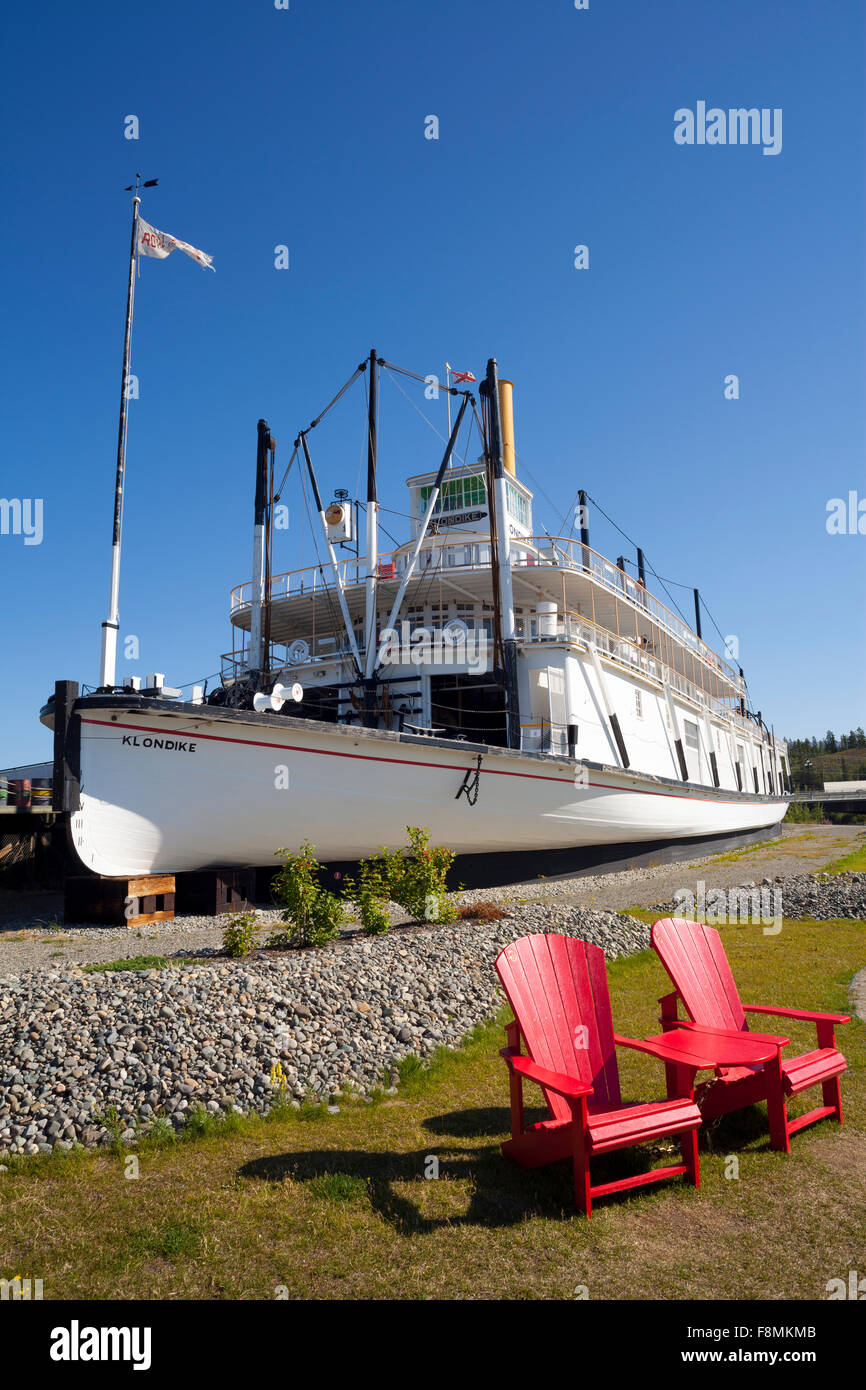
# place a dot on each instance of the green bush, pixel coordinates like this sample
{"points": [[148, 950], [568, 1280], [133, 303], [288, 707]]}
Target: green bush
{"points": [[312, 913], [239, 936], [413, 878], [371, 892]]}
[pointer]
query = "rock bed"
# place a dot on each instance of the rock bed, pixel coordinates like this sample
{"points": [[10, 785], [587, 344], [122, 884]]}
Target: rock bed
{"points": [[158, 1043], [822, 896]]}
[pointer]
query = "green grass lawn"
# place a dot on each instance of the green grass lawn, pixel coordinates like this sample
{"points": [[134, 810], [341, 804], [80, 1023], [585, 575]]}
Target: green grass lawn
{"points": [[342, 1206]]}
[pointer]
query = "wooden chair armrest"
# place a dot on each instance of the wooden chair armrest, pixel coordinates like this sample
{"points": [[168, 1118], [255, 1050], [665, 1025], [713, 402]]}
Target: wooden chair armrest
{"points": [[557, 1081], [807, 1015]]}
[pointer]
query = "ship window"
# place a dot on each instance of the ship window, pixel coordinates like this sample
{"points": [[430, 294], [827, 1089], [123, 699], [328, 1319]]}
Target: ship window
{"points": [[638, 704], [456, 494], [517, 504], [690, 735]]}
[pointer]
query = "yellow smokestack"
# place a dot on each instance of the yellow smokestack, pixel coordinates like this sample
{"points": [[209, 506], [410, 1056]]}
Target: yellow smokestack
{"points": [[506, 422]]}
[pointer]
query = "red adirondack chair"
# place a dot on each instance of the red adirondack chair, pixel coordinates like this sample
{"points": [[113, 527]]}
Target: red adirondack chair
{"points": [[695, 959], [557, 988]]}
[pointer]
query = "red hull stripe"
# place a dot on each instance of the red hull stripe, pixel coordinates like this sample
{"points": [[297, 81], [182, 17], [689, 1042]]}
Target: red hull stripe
{"points": [[405, 762]]}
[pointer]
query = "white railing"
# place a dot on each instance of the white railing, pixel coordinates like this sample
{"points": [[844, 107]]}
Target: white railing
{"points": [[444, 557], [626, 653]]}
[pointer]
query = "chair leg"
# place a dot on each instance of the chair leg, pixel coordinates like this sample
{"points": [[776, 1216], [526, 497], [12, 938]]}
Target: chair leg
{"points": [[777, 1110], [582, 1187], [689, 1148], [516, 1090], [832, 1094]]}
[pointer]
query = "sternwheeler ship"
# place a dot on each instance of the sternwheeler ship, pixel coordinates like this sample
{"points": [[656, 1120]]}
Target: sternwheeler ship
{"points": [[508, 690]]}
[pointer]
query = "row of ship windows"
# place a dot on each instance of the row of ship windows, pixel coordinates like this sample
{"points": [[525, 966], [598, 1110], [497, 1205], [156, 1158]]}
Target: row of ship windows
{"points": [[460, 493]]}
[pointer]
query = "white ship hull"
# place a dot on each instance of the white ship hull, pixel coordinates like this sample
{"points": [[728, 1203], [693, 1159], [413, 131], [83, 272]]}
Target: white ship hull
{"points": [[177, 788]]}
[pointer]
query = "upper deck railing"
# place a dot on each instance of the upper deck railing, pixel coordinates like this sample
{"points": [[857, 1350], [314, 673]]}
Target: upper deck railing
{"points": [[451, 557]]}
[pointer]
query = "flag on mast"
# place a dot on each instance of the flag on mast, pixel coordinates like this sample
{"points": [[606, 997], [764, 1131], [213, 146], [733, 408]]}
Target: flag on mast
{"points": [[160, 244], [462, 376]]}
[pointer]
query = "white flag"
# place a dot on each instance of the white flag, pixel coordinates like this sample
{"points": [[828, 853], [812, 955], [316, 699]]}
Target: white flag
{"points": [[160, 244]]}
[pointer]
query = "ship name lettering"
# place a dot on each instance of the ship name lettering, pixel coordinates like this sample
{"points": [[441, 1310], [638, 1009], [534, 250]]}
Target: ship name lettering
{"points": [[171, 745]]}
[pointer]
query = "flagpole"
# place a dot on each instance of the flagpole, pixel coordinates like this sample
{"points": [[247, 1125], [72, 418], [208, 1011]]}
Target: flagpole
{"points": [[448, 394], [111, 626]]}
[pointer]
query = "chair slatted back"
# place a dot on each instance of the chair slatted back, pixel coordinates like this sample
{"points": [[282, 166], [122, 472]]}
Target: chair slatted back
{"points": [[695, 959], [557, 988]]}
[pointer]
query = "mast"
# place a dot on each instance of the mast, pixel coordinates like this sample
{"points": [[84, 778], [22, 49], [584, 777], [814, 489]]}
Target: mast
{"points": [[505, 595], [257, 652], [111, 626], [372, 539]]}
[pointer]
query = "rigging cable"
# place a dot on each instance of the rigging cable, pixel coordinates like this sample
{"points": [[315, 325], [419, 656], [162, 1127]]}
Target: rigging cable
{"points": [[414, 406]]}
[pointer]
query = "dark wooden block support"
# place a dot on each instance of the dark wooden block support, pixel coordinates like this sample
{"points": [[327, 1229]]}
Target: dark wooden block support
{"points": [[210, 892]]}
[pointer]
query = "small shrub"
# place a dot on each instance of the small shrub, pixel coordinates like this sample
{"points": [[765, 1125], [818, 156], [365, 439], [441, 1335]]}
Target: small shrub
{"points": [[371, 892], [418, 878], [239, 936], [314, 915], [413, 878]]}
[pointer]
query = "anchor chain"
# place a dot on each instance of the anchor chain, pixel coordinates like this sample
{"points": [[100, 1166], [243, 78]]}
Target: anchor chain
{"points": [[470, 784]]}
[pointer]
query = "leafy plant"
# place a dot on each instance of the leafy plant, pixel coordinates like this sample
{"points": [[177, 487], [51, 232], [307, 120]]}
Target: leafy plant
{"points": [[314, 915], [239, 936], [414, 878], [371, 892]]}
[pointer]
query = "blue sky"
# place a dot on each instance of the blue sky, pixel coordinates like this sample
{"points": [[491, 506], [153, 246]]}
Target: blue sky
{"points": [[305, 127]]}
